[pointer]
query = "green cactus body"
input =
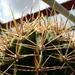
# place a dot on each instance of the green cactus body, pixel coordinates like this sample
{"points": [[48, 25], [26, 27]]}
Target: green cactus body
{"points": [[37, 49]]}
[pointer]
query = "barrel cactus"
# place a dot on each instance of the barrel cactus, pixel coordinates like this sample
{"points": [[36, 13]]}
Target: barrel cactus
{"points": [[40, 47]]}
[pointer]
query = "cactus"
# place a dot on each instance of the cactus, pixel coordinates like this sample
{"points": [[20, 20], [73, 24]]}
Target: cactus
{"points": [[40, 47]]}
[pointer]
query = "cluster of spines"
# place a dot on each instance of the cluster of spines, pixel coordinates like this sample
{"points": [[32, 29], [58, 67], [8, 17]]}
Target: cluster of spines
{"points": [[39, 47]]}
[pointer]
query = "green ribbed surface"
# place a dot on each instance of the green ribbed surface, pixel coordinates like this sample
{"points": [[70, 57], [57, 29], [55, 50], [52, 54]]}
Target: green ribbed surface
{"points": [[43, 41]]}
